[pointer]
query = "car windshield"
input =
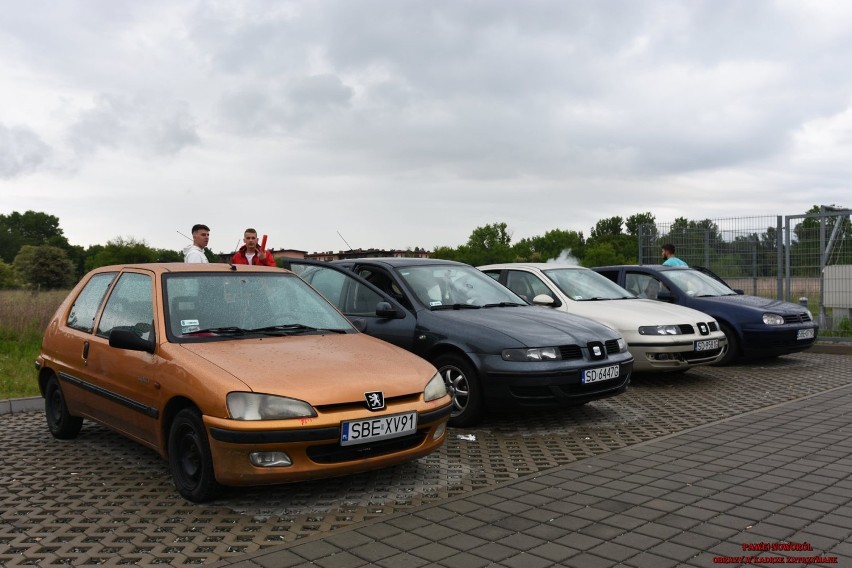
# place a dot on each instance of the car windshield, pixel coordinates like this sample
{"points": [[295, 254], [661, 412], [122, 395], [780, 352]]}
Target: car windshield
{"points": [[444, 286], [695, 283], [234, 304], [586, 285]]}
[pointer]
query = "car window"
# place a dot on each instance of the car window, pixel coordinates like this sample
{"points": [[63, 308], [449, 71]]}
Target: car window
{"points": [[646, 286], [584, 284], [350, 296], [85, 307], [526, 285], [248, 301], [695, 283], [384, 282], [443, 285], [129, 306]]}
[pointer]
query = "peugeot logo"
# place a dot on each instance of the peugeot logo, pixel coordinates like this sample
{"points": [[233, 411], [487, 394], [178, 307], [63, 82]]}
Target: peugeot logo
{"points": [[375, 400]]}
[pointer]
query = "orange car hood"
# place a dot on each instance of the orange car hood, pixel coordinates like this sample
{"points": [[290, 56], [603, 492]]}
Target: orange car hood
{"points": [[319, 369]]}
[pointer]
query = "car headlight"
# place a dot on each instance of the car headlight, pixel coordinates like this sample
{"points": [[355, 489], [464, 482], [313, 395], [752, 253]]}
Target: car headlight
{"points": [[773, 319], [659, 330], [435, 389], [253, 406], [535, 354], [622, 345]]}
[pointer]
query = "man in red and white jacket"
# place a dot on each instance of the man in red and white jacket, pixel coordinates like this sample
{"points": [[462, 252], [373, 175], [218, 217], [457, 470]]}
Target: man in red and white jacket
{"points": [[250, 253]]}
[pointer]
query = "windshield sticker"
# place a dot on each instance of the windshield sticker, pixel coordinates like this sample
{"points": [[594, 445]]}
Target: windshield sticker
{"points": [[435, 303], [188, 323]]}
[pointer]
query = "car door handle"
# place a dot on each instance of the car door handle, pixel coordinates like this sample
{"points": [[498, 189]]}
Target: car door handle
{"points": [[85, 350]]}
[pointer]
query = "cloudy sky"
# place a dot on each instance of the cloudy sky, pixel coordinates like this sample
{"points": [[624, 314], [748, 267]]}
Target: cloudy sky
{"points": [[397, 124]]}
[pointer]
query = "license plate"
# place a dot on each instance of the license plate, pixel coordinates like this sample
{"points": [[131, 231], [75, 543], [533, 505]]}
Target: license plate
{"points": [[706, 344], [600, 374], [382, 428], [805, 334]]}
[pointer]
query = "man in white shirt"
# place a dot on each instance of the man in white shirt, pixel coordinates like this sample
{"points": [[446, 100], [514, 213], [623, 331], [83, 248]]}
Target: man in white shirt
{"points": [[200, 238]]}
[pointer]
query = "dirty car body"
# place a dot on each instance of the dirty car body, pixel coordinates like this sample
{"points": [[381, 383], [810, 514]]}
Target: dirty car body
{"points": [[236, 375], [493, 350], [755, 327], [661, 337]]}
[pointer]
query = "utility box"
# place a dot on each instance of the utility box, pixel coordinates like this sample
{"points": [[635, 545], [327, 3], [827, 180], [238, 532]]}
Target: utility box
{"points": [[838, 289]]}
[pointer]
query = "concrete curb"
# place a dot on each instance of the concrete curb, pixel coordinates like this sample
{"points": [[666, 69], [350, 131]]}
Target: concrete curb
{"points": [[16, 405]]}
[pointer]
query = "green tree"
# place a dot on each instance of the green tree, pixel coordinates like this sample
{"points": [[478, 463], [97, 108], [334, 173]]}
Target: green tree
{"points": [[8, 277], [486, 245], [607, 227], [645, 220], [29, 228], [121, 251], [551, 245], [44, 267], [601, 254]]}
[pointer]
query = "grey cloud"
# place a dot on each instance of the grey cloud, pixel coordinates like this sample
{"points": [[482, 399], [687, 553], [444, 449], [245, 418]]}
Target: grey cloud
{"points": [[22, 152], [152, 127]]}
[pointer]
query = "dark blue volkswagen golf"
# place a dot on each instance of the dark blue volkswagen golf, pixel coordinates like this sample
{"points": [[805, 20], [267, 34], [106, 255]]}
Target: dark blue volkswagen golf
{"points": [[754, 326]]}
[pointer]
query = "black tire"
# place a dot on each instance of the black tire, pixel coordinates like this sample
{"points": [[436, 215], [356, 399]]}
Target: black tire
{"points": [[733, 350], [190, 460], [463, 385], [61, 424]]}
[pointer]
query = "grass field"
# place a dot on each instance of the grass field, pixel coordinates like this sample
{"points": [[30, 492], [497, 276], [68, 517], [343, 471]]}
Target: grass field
{"points": [[23, 318]]}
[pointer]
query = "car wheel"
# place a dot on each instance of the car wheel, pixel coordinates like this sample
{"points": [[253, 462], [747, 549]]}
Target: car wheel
{"points": [[463, 385], [190, 460], [733, 351], [59, 421]]}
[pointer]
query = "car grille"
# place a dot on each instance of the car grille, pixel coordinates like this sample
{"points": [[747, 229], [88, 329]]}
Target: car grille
{"points": [[335, 453], [362, 404], [571, 352], [797, 318], [688, 329], [575, 352]]}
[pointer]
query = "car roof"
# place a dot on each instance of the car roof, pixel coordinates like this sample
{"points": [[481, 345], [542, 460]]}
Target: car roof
{"points": [[397, 262], [654, 267], [539, 265], [162, 267]]}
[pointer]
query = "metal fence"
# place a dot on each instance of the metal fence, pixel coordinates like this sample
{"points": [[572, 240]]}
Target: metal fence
{"points": [[805, 259]]}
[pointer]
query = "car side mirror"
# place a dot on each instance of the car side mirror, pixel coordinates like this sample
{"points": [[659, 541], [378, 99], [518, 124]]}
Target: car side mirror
{"points": [[543, 300], [385, 310], [665, 296], [127, 339], [739, 291]]}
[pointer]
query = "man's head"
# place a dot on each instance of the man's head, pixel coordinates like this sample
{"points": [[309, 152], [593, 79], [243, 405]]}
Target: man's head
{"points": [[668, 250], [200, 235], [250, 239]]}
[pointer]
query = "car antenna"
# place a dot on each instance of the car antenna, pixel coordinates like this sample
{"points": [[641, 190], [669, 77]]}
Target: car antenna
{"points": [[236, 248], [344, 240]]}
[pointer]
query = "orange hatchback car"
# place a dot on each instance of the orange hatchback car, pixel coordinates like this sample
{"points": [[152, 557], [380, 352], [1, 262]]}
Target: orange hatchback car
{"points": [[237, 375]]}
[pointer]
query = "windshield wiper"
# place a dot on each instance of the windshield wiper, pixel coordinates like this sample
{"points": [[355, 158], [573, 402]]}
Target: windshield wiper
{"points": [[229, 330], [292, 329], [503, 305], [454, 307]]}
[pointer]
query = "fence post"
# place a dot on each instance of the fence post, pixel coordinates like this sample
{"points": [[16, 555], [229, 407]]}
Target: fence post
{"points": [[779, 246]]}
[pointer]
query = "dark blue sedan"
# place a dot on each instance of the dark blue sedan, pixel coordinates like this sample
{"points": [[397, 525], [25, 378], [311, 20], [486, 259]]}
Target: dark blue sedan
{"points": [[754, 326]]}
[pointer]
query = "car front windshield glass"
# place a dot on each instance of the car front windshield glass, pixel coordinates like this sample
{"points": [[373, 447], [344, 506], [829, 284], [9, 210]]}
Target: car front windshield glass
{"points": [[584, 285], [695, 283], [233, 304], [456, 285]]}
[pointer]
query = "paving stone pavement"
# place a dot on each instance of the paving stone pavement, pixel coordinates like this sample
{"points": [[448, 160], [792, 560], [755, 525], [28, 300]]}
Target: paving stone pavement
{"points": [[770, 486], [545, 488]]}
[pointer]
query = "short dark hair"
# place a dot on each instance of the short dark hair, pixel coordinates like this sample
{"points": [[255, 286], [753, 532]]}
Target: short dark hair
{"points": [[249, 230], [200, 227], [668, 247]]}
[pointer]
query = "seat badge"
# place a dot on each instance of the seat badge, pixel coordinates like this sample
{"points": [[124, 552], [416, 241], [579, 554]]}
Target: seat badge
{"points": [[375, 400], [597, 350]]}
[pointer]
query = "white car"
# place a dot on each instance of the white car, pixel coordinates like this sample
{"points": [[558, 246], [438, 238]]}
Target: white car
{"points": [[661, 337]]}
